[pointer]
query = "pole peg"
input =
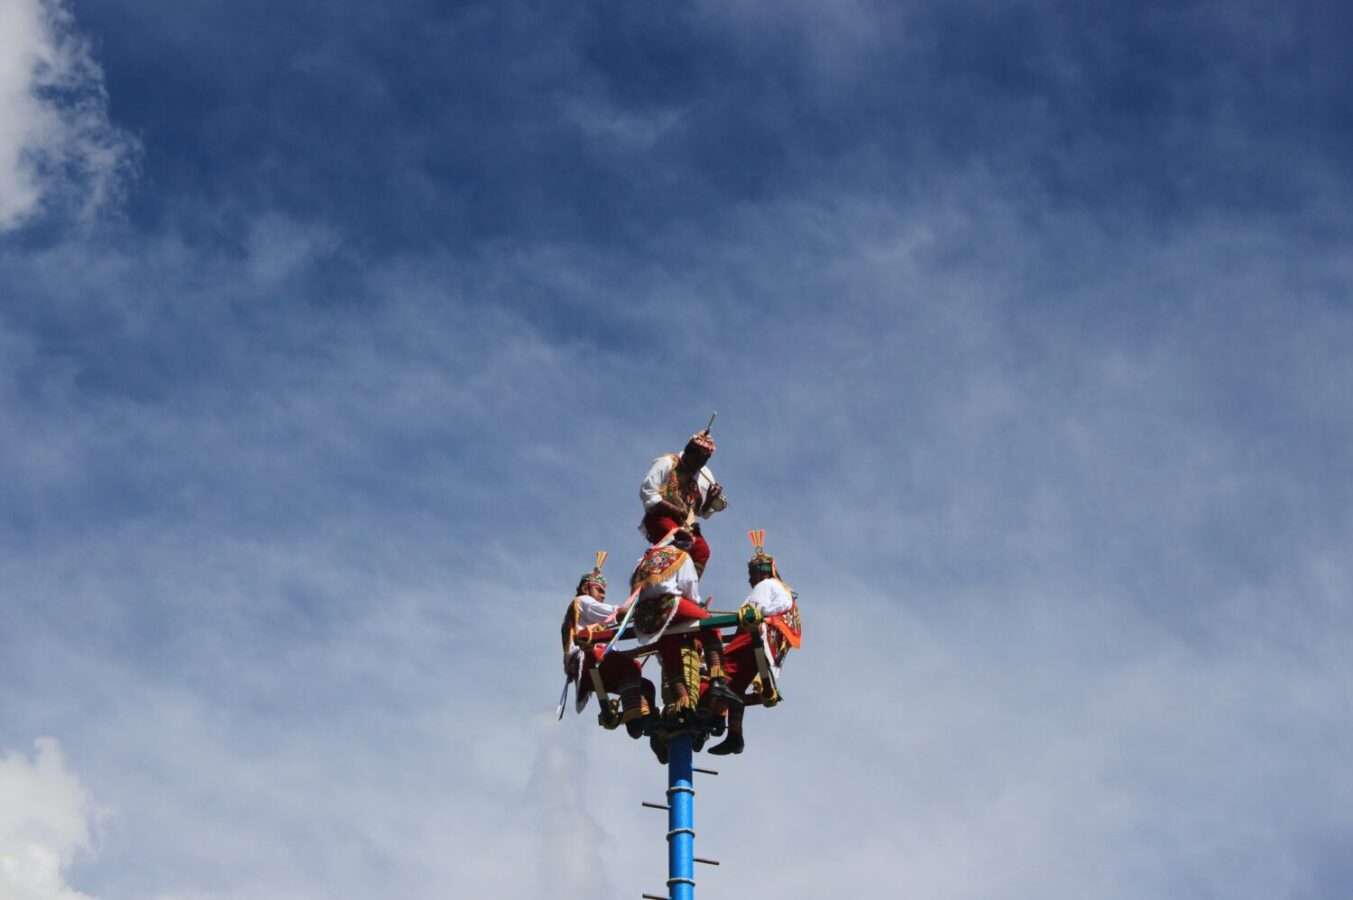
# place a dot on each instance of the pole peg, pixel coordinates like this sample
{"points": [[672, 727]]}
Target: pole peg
{"points": [[655, 805], [708, 862]]}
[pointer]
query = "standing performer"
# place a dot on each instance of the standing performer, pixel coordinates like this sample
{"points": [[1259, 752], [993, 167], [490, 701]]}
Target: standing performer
{"points": [[771, 623], [584, 633], [676, 490], [667, 590]]}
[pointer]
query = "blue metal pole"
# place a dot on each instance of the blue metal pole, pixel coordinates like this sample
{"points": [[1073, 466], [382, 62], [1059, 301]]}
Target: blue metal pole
{"points": [[680, 820]]}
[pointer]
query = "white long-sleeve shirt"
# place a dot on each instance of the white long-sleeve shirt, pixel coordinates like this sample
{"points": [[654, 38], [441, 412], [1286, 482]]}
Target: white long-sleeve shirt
{"points": [[770, 596], [650, 492], [591, 611]]}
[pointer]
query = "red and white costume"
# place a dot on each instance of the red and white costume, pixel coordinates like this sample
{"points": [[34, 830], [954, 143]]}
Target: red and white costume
{"points": [[666, 483], [589, 614], [667, 590], [780, 630]]}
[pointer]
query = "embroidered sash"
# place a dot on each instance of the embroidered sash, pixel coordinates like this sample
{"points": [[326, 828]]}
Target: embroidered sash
{"points": [[789, 623]]}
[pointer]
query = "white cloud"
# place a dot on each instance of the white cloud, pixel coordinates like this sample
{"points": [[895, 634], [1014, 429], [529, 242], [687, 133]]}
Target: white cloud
{"points": [[45, 818], [56, 141]]}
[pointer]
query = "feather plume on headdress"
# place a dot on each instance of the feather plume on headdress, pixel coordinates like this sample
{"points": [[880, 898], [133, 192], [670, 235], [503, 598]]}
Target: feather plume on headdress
{"points": [[761, 559]]}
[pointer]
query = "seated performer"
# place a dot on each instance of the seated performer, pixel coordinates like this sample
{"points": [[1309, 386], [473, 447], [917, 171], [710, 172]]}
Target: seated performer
{"points": [[667, 590], [588, 624], [676, 490], [771, 622]]}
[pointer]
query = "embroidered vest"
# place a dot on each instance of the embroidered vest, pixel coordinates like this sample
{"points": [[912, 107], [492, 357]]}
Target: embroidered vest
{"points": [[683, 493], [570, 623]]}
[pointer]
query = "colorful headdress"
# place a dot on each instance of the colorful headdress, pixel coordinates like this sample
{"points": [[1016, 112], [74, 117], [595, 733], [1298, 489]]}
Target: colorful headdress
{"points": [[702, 441], [761, 561], [594, 576]]}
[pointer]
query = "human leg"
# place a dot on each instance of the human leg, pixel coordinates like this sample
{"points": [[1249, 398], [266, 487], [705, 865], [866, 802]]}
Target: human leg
{"points": [[623, 675]]}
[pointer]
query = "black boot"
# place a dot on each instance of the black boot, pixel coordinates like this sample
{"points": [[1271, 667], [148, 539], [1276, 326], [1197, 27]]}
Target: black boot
{"points": [[647, 725], [731, 744], [706, 725], [719, 689], [659, 748]]}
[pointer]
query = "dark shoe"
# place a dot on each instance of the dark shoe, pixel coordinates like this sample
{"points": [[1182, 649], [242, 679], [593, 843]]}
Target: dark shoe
{"points": [[731, 744], [720, 690], [659, 748], [677, 719], [640, 727], [708, 727]]}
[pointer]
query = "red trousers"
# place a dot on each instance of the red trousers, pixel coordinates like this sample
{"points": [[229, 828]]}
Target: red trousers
{"points": [[657, 526], [616, 669], [669, 645], [739, 662]]}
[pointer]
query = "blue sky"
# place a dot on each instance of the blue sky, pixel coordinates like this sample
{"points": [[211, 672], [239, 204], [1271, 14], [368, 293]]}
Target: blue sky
{"points": [[335, 337]]}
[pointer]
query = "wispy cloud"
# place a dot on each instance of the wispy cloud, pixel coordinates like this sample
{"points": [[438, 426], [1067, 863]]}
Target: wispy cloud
{"points": [[57, 145], [1083, 573]]}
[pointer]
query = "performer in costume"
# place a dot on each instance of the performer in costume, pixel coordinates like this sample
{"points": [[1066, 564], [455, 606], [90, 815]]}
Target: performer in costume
{"points": [[667, 590], [588, 624], [771, 618], [679, 488]]}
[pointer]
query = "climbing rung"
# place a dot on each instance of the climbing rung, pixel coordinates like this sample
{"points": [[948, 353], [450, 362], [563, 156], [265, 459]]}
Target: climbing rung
{"points": [[654, 805], [652, 897], [704, 771], [708, 862]]}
